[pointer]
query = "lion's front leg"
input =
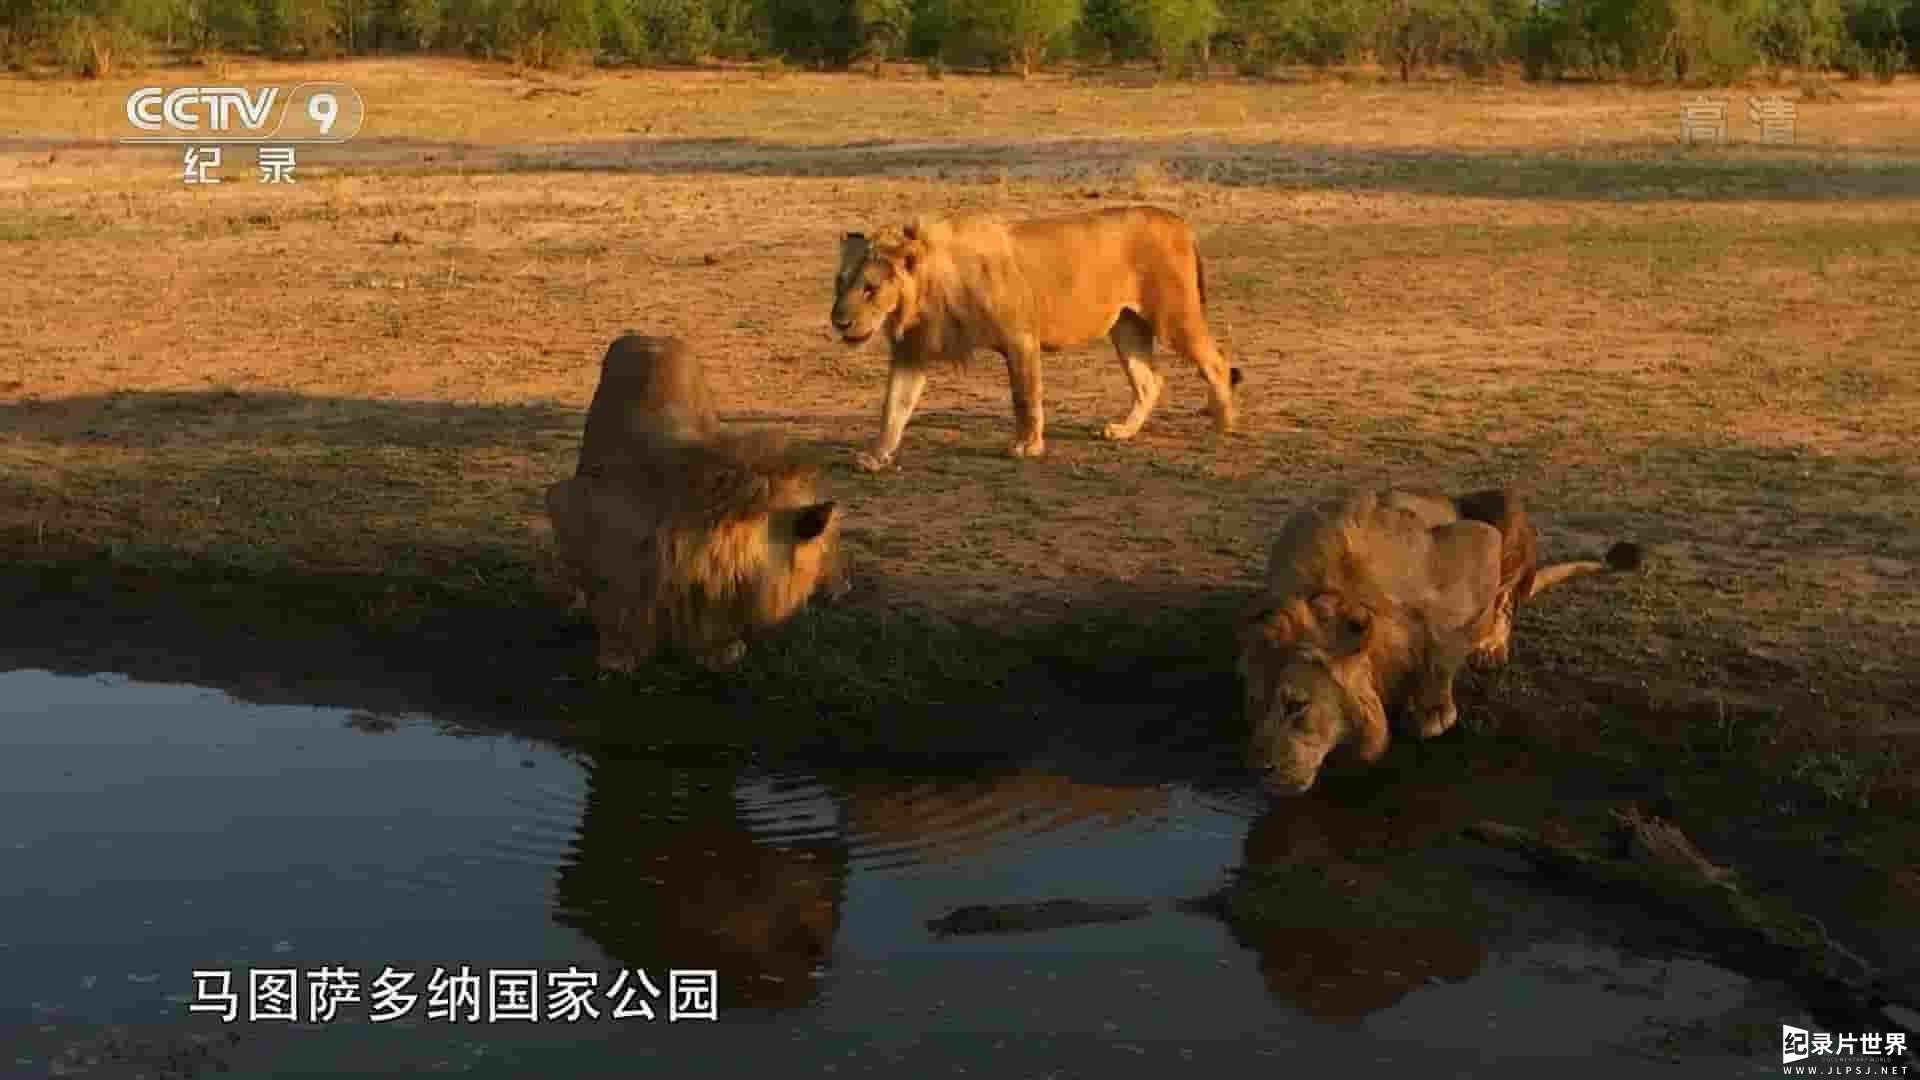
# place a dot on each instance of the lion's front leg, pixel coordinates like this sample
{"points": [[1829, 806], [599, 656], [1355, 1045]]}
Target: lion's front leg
{"points": [[1029, 417], [904, 384], [1430, 709]]}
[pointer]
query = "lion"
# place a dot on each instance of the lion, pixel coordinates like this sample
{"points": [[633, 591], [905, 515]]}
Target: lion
{"points": [[674, 531], [1373, 604], [652, 399], [671, 868], [940, 288]]}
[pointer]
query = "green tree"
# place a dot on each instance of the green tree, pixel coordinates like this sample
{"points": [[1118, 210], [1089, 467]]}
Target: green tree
{"points": [[1109, 29], [1317, 32], [954, 31], [738, 28], [1716, 40], [680, 30], [217, 24], [1412, 34], [1875, 37], [830, 32], [1562, 38], [1176, 29], [473, 26], [1024, 28], [1802, 33], [547, 33], [308, 27], [90, 38]]}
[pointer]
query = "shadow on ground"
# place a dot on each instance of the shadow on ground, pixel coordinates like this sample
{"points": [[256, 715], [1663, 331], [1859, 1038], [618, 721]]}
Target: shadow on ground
{"points": [[869, 679], [277, 418], [1626, 172], [1634, 173]]}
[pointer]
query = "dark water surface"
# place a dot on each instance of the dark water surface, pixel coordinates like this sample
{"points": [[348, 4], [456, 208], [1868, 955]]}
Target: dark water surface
{"points": [[149, 831]]}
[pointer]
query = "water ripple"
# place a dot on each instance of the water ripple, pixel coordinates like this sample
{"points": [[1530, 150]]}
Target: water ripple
{"points": [[663, 822]]}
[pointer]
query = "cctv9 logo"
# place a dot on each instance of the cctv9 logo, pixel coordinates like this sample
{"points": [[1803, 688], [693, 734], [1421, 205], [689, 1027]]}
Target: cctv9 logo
{"points": [[314, 112]]}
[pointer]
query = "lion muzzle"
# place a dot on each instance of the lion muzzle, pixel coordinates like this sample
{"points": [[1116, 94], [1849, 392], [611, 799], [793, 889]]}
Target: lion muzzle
{"points": [[1287, 779], [1284, 764]]}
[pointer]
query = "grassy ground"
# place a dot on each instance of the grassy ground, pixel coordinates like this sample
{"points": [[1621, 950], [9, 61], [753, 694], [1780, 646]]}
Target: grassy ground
{"points": [[280, 438]]}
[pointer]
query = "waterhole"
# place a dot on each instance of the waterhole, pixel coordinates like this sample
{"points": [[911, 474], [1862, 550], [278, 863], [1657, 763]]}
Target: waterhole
{"points": [[148, 832]]}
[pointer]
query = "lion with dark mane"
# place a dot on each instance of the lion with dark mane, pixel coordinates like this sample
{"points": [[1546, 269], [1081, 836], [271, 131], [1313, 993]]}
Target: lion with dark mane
{"points": [[1373, 604], [673, 531], [942, 287]]}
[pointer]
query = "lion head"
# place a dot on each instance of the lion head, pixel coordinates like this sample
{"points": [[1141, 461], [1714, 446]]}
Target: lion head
{"points": [[877, 284], [700, 546], [753, 538], [1309, 678]]}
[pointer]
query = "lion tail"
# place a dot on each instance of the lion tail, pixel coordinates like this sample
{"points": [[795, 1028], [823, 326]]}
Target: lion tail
{"points": [[1234, 377], [1621, 557]]}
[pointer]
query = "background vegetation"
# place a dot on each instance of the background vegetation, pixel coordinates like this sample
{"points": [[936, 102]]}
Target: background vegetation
{"points": [[1654, 40]]}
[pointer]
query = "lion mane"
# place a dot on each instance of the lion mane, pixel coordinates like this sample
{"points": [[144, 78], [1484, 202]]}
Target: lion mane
{"points": [[675, 530], [1373, 604]]}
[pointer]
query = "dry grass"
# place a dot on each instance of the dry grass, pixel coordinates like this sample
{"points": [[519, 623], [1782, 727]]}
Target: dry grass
{"points": [[492, 104], [377, 369]]}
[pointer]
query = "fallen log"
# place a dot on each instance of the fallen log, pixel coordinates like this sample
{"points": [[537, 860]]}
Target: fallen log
{"points": [[1034, 917], [1654, 860]]}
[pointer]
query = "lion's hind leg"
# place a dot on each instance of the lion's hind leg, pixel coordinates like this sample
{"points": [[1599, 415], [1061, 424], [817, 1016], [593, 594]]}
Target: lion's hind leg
{"points": [[1519, 562], [1133, 341], [1188, 335], [1494, 634]]}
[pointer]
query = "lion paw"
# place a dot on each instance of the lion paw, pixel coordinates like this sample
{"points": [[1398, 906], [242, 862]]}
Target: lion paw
{"points": [[1117, 432], [1027, 448], [1428, 721], [868, 461], [1488, 657]]}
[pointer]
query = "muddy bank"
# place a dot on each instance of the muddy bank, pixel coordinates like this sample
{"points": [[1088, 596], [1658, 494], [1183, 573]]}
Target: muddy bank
{"points": [[491, 642], [1140, 685], [876, 671]]}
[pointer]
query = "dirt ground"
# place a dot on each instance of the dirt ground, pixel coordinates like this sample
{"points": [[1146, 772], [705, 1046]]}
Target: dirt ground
{"points": [[291, 439]]}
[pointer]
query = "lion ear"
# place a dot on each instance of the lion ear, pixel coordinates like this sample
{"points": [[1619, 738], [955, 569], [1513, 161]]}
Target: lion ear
{"points": [[1350, 632], [813, 520], [1344, 626]]}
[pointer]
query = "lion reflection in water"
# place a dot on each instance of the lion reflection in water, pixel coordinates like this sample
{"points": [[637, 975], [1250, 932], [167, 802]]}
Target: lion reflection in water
{"points": [[1339, 932], [667, 871]]}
